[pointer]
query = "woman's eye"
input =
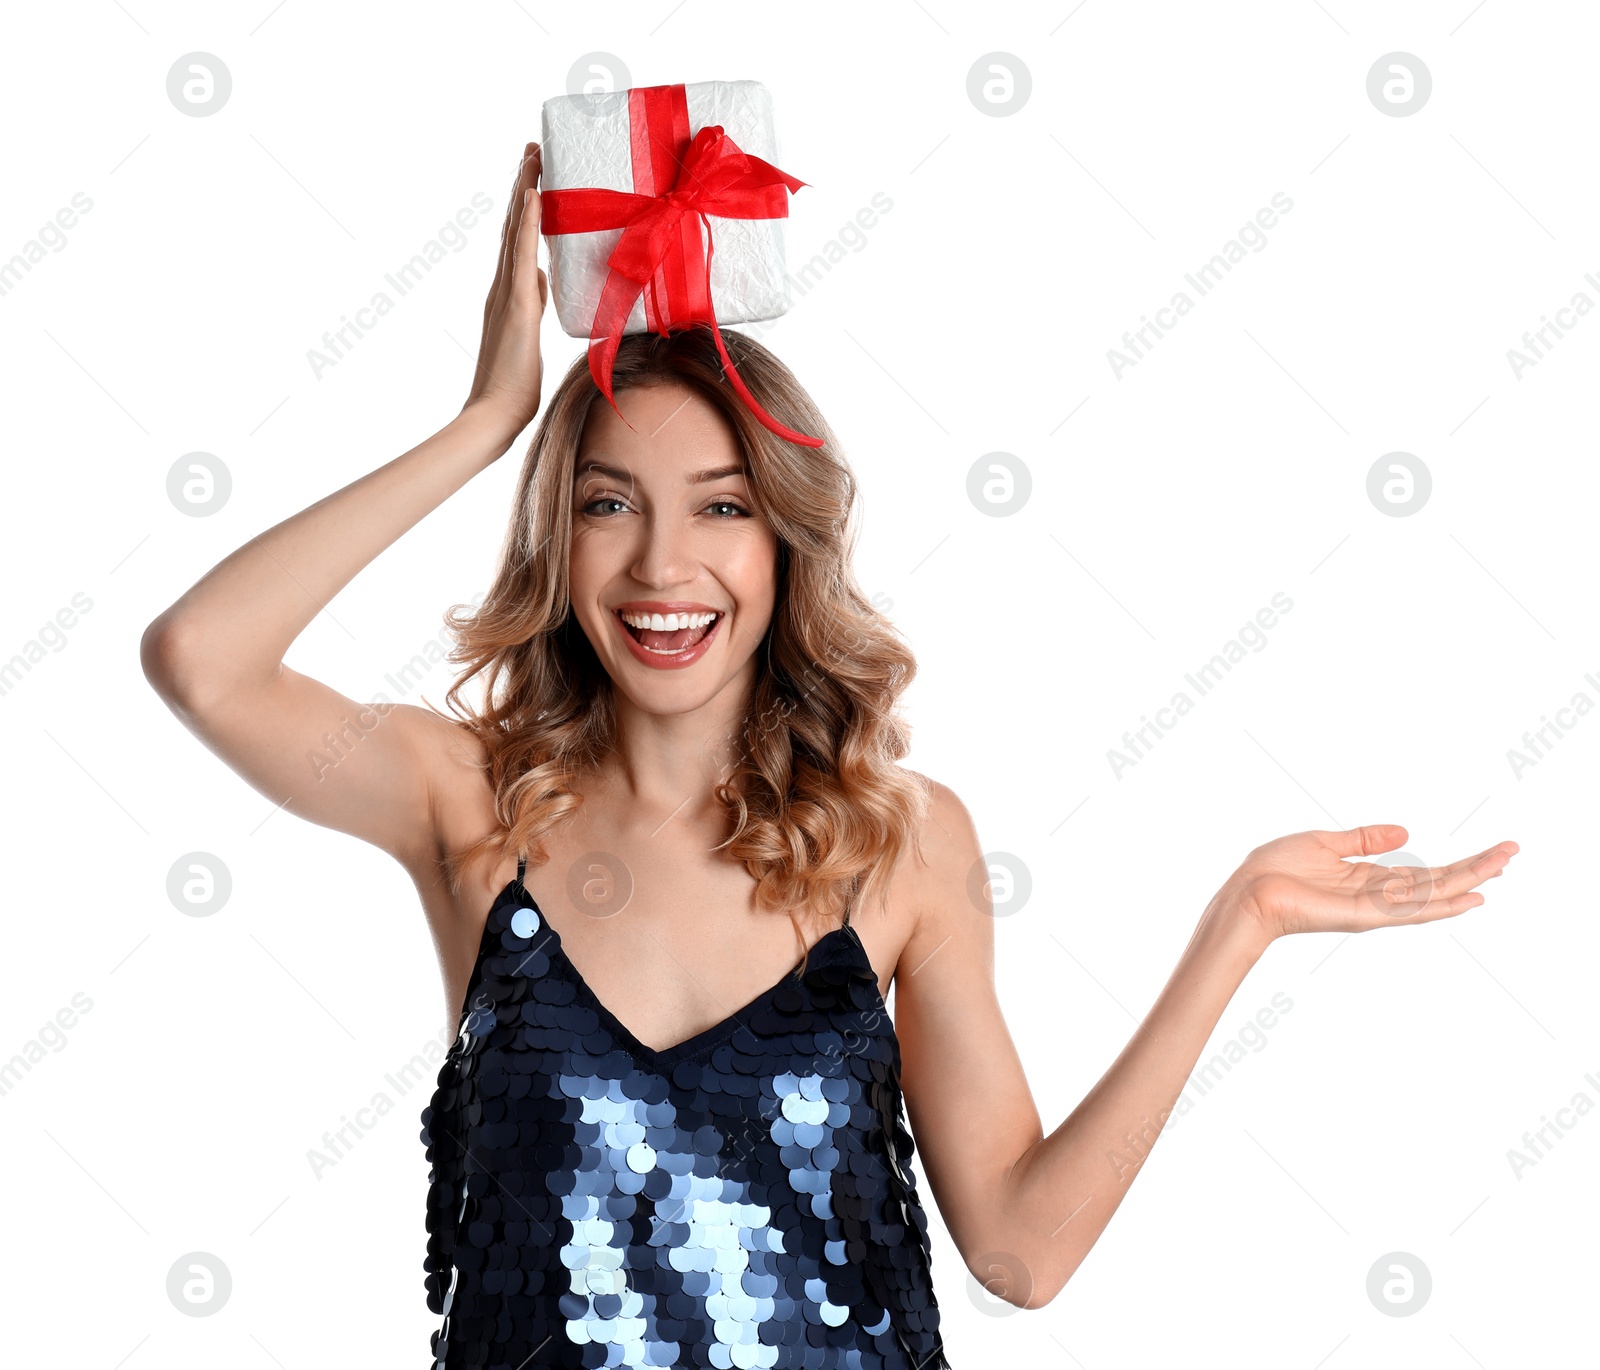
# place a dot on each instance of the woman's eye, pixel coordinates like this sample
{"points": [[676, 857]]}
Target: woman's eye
{"points": [[597, 507]]}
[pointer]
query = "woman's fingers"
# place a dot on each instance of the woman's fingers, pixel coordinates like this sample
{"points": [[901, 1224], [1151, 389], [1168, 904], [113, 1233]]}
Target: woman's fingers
{"points": [[527, 174], [1436, 909], [508, 237], [497, 288], [1468, 871], [510, 219], [1475, 870], [509, 371], [525, 278], [1433, 888]]}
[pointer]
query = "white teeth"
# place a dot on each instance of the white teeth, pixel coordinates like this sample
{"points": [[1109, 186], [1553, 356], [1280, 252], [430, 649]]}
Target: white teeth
{"points": [[666, 623]]}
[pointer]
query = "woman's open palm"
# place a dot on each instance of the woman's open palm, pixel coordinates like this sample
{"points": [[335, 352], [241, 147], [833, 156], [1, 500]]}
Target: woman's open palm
{"points": [[1302, 883], [510, 371]]}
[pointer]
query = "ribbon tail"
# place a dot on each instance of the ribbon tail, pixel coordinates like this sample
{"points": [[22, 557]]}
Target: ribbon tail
{"points": [[605, 335], [741, 390], [737, 382]]}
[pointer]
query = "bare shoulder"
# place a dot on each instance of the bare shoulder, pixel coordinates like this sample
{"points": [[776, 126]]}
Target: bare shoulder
{"points": [[948, 849], [941, 885]]}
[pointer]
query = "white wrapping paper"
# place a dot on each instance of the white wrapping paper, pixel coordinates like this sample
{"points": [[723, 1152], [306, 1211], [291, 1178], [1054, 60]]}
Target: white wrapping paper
{"points": [[587, 141]]}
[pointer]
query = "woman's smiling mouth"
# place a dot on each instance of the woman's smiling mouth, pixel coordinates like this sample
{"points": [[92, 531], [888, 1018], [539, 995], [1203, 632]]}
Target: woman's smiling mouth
{"points": [[667, 636]]}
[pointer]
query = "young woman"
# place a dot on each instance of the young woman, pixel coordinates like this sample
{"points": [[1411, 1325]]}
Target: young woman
{"points": [[671, 1129]]}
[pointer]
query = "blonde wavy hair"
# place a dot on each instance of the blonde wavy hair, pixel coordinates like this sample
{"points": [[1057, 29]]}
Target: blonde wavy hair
{"points": [[820, 812]]}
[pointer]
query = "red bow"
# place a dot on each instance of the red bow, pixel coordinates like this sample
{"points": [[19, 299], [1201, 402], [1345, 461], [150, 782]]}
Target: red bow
{"points": [[658, 254]]}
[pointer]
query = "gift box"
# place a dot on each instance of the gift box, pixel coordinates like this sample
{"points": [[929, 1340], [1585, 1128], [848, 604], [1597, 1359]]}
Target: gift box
{"points": [[589, 140], [661, 208]]}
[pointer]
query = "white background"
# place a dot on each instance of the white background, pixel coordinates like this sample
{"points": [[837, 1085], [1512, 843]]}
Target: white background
{"points": [[1168, 505]]}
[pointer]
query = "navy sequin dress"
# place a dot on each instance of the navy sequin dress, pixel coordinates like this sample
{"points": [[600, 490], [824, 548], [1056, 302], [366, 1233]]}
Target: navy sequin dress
{"points": [[745, 1198]]}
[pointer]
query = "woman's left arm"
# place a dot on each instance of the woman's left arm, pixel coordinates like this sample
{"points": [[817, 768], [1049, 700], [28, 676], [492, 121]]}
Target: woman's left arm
{"points": [[1024, 1209]]}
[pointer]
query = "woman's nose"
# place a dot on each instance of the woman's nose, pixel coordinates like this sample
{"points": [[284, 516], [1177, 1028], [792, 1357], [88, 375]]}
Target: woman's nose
{"points": [[664, 552]]}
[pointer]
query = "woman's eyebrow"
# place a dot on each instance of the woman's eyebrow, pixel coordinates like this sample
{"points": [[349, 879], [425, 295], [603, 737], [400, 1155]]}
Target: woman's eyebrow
{"points": [[693, 478], [715, 473]]}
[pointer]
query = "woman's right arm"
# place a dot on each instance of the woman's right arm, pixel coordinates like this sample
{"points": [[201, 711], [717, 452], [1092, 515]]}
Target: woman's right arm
{"points": [[216, 655]]}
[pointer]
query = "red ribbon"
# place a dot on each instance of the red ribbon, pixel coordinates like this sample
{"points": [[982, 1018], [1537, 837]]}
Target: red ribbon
{"points": [[677, 181]]}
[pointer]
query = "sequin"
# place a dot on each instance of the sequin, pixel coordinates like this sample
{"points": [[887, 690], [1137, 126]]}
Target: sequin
{"points": [[744, 1199]]}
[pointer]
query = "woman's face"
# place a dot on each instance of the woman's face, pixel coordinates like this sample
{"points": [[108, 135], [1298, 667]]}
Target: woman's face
{"points": [[663, 524]]}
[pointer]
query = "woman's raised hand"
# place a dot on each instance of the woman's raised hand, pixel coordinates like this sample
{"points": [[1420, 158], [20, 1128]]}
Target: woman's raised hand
{"points": [[1302, 883], [510, 368]]}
